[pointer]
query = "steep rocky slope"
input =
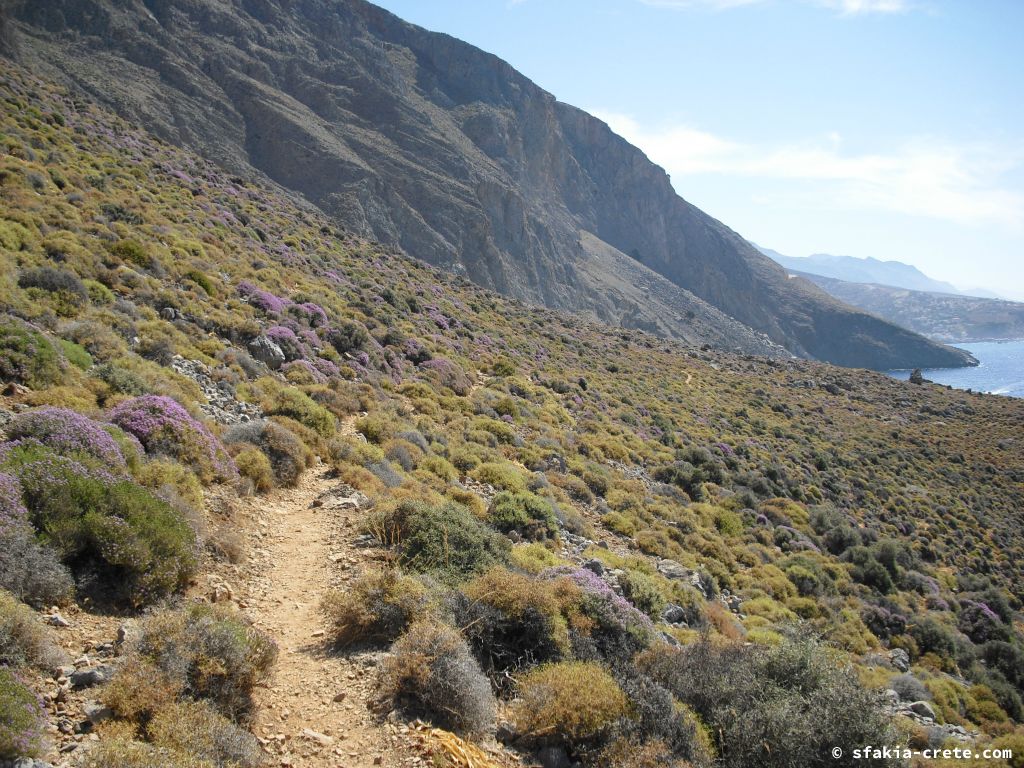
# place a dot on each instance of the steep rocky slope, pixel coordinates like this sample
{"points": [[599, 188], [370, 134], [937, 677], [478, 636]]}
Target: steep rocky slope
{"points": [[940, 316], [420, 140]]}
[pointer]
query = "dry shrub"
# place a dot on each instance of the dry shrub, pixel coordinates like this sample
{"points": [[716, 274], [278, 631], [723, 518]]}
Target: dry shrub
{"points": [[376, 608], [572, 702], [202, 651], [195, 728], [140, 689], [23, 637], [432, 674]]}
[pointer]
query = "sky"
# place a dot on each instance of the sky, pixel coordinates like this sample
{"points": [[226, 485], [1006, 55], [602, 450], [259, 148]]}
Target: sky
{"points": [[884, 128]]}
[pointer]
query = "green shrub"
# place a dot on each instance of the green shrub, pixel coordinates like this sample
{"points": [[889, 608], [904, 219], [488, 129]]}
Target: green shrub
{"points": [[297, 405], [784, 704], [131, 251], [254, 465], [572, 702], [131, 546], [643, 591], [529, 515], [76, 355], [202, 281], [504, 477], [27, 356], [377, 607], [22, 719], [431, 674], [445, 540]]}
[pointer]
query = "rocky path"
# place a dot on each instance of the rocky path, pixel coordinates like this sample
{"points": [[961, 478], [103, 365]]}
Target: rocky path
{"points": [[314, 712]]}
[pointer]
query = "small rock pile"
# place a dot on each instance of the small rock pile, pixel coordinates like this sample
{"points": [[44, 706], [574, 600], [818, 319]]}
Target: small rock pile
{"points": [[221, 405]]}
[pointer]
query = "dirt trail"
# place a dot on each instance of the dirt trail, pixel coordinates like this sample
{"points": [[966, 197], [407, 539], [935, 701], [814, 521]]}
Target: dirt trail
{"points": [[314, 713]]}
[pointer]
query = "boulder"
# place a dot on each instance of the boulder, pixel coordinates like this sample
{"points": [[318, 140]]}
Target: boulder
{"points": [[267, 352], [922, 709], [900, 659]]}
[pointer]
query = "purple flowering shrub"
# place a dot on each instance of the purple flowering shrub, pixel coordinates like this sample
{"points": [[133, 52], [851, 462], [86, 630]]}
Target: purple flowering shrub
{"points": [[28, 570], [264, 301], [165, 428], [22, 718], [123, 543], [617, 622], [12, 511], [980, 623], [288, 341], [70, 434], [445, 373]]}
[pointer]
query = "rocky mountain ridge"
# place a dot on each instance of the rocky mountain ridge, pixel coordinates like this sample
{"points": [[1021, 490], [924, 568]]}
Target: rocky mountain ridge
{"points": [[944, 317], [422, 141]]}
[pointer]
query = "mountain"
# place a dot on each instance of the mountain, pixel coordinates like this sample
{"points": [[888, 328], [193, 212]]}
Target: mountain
{"points": [[424, 142], [855, 269], [940, 316]]}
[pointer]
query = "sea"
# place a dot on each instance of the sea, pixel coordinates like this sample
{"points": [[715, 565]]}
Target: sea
{"points": [[1001, 371]]}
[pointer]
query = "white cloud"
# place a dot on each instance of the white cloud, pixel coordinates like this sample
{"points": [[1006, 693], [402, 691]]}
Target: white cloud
{"points": [[923, 177], [844, 7]]}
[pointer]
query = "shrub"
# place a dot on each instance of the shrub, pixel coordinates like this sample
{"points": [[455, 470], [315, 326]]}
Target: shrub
{"points": [[31, 571], [165, 428], [909, 688], [124, 752], [69, 434], [65, 286], [286, 452], [643, 591], [571, 702], [377, 607], [22, 718], [76, 354], [297, 405], [254, 465], [140, 689], [534, 557], [195, 728], [172, 481], [205, 652], [23, 637], [114, 535], [787, 704], [525, 513], [515, 622], [349, 336], [656, 717], [27, 357], [502, 476], [445, 540], [432, 674], [618, 630]]}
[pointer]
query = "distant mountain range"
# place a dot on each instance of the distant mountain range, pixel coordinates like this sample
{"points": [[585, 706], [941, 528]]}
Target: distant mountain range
{"points": [[943, 317], [855, 269], [423, 142]]}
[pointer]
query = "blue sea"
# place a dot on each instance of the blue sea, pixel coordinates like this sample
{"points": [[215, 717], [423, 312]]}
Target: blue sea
{"points": [[1001, 371]]}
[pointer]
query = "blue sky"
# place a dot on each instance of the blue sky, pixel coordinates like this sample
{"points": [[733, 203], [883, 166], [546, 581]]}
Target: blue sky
{"points": [[885, 128]]}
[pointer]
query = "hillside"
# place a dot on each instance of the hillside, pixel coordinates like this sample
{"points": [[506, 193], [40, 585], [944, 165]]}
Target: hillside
{"points": [[425, 143], [941, 316], [265, 479]]}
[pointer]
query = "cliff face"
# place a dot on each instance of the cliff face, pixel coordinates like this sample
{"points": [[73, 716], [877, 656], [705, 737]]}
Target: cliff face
{"points": [[422, 141]]}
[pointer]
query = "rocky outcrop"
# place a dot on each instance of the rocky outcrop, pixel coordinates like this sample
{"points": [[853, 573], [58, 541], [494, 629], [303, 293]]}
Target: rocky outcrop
{"points": [[427, 143]]}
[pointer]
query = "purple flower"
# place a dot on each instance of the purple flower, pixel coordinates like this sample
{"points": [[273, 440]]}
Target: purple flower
{"points": [[262, 300], [601, 602], [69, 434], [286, 339], [164, 427], [12, 510]]}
